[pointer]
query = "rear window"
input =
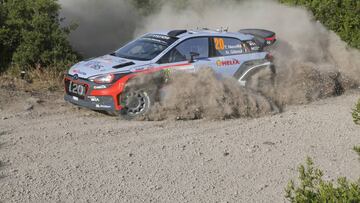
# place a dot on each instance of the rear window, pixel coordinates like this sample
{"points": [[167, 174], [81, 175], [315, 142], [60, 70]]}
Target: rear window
{"points": [[225, 46]]}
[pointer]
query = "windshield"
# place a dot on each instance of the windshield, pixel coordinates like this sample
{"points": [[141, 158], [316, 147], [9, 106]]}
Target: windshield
{"points": [[145, 48]]}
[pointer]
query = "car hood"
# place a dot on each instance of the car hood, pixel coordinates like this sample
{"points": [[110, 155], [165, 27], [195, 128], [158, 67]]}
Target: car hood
{"points": [[103, 65]]}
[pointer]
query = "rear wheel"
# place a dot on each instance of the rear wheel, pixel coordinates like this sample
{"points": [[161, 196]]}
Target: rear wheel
{"points": [[264, 77]]}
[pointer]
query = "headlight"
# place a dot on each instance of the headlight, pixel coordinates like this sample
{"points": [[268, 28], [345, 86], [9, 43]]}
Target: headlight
{"points": [[103, 79]]}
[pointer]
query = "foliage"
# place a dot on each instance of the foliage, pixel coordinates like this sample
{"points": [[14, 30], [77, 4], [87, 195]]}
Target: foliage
{"points": [[313, 188], [146, 7], [356, 113], [31, 35], [357, 150], [341, 16]]}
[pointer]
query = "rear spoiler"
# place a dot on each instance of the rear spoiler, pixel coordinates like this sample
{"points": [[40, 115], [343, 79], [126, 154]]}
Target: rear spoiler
{"points": [[263, 37]]}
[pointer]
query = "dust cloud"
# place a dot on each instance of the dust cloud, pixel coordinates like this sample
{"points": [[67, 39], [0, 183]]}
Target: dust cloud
{"points": [[103, 26], [199, 95], [312, 62]]}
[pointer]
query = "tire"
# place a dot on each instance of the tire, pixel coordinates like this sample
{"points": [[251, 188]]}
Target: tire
{"points": [[136, 102]]}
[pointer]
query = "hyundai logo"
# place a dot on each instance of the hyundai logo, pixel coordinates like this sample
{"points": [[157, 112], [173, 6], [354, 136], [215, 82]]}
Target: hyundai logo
{"points": [[76, 76]]}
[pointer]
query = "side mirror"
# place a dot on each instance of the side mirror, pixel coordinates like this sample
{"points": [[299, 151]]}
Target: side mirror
{"points": [[192, 56]]}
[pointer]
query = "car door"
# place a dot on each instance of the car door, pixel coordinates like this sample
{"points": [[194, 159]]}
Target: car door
{"points": [[227, 54], [179, 57]]}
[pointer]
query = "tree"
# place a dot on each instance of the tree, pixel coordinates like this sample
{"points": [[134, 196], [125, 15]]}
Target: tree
{"points": [[31, 34], [341, 16], [4, 52]]}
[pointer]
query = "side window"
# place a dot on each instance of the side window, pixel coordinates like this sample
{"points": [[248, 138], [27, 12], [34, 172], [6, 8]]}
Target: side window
{"points": [[228, 46], [252, 45], [182, 51]]}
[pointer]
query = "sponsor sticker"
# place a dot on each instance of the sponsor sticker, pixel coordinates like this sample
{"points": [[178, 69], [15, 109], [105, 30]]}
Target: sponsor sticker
{"points": [[102, 106], [219, 43], [100, 87], [95, 65], [231, 52], [231, 62], [228, 46], [163, 39], [93, 99], [76, 71], [253, 46], [140, 68]]}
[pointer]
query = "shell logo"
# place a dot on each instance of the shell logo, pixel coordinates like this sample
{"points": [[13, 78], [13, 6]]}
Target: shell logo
{"points": [[227, 62]]}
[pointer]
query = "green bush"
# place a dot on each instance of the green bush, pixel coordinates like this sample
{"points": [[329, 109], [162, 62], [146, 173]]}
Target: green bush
{"points": [[357, 150], [312, 187], [148, 7], [356, 113], [341, 16], [31, 35]]}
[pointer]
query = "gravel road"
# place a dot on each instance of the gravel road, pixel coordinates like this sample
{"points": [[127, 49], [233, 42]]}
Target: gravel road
{"points": [[54, 152]]}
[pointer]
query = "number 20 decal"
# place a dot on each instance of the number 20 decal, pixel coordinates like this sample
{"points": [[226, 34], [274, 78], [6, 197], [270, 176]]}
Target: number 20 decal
{"points": [[219, 43], [76, 88]]}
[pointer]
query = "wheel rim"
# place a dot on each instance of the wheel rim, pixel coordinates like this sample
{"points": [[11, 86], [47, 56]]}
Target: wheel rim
{"points": [[135, 102]]}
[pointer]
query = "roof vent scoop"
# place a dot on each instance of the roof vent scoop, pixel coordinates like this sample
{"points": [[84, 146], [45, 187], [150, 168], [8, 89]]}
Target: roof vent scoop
{"points": [[175, 33]]}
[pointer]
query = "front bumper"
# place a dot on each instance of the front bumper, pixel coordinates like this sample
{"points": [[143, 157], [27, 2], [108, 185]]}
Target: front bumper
{"points": [[105, 98], [105, 103]]}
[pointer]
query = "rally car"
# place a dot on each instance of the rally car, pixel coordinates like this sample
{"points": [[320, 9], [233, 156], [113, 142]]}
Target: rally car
{"points": [[109, 83]]}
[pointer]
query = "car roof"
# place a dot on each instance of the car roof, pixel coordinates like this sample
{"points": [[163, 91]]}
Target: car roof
{"points": [[204, 32]]}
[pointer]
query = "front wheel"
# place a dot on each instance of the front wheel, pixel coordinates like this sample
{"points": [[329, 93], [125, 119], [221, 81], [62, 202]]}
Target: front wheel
{"points": [[136, 103]]}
